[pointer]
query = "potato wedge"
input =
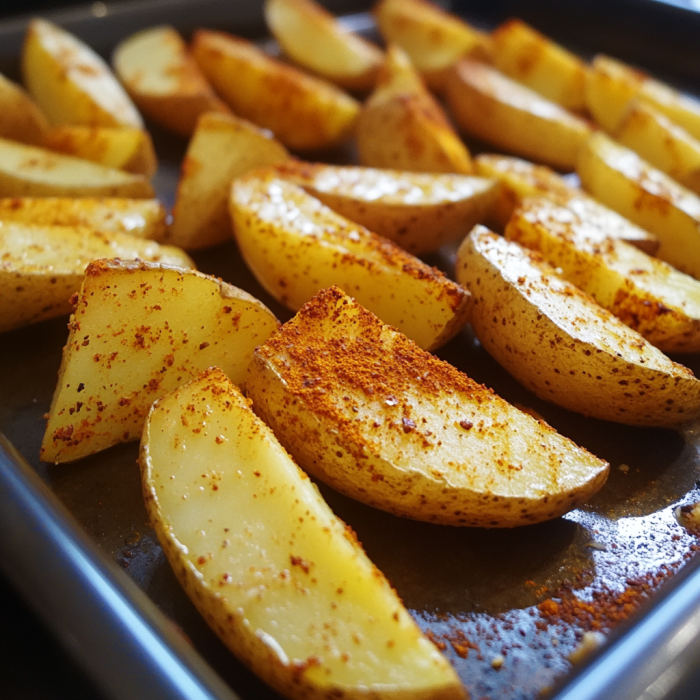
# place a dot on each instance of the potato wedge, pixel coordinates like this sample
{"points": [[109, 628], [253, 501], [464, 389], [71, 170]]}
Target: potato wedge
{"points": [[295, 246], [419, 211], [164, 80], [662, 143], [526, 55], [20, 117], [313, 38], [28, 171], [223, 147], [564, 347], [364, 409], [123, 148], [138, 331], [493, 107], [618, 177], [520, 178], [143, 218], [219, 490], [402, 125], [70, 82], [647, 294], [433, 39], [42, 266], [302, 111]]}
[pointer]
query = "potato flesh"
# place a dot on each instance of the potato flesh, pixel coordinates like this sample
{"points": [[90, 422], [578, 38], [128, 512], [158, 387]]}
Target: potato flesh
{"points": [[266, 561], [364, 409], [618, 177], [421, 212], [295, 246], [143, 218], [20, 118], [648, 295], [138, 331], [28, 171], [564, 347], [70, 82]]}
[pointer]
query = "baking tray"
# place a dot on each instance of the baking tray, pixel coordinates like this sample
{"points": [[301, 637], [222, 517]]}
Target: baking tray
{"points": [[74, 538]]}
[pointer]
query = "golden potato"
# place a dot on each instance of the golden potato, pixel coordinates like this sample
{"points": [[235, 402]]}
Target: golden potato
{"points": [[164, 80], [222, 148], [41, 267], [302, 111], [313, 38], [219, 490], [20, 117], [137, 332], [70, 82], [419, 211], [489, 105], [564, 347], [364, 409], [402, 126], [295, 246]]}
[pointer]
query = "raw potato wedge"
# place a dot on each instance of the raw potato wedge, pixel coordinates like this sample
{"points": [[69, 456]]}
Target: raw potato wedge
{"points": [[41, 267], [138, 331], [124, 148], [70, 82], [364, 409], [489, 105], [419, 211], [647, 294], [618, 177], [402, 125], [562, 346], [662, 143], [223, 148], [164, 80], [20, 117], [433, 39], [295, 245], [520, 178], [531, 58], [28, 171], [315, 39], [144, 218], [234, 514], [302, 111]]}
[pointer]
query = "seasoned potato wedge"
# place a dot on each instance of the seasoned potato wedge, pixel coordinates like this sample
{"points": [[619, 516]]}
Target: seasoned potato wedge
{"points": [[295, 245], [42, 266], [29, 171], [433, 39], [564, 347], [220, 490], [662, 143], [144, 218], [520, 178], [618, 177], [495, 108], [419, 211], [222, 148], [314, 38], [402, 125], [20, 117], [164, 80], [531, 58], [304, 112], [70, 82], [647, 294], [123, 148], [364, 409], [138, 331]]}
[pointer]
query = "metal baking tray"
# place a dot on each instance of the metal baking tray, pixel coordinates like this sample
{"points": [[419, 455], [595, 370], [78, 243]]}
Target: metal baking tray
{"points": [[74, 538]]}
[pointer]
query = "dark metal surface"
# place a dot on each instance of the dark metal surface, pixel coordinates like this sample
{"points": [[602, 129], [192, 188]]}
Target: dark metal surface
{"points": [[480, 594]]}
